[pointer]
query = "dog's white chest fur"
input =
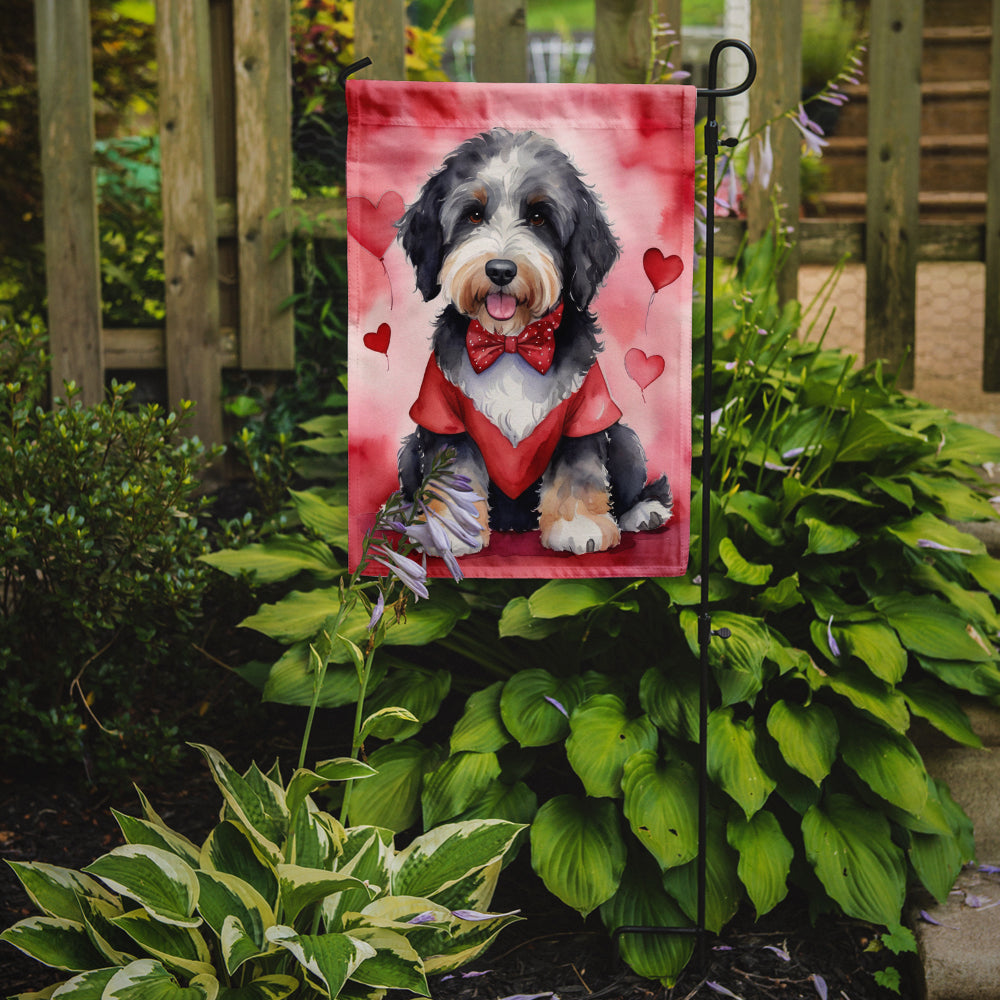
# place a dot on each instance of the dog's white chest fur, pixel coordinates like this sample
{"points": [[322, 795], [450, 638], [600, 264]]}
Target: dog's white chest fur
{"points": [[512, 395]]}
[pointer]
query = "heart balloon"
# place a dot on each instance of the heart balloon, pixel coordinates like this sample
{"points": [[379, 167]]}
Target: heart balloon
{"points": [[641, 369], [374, 226], [379, 340], [660, 270]]}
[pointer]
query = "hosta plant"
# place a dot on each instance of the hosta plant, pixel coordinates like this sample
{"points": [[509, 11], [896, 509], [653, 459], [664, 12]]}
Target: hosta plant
{"points": [[279, 900]]}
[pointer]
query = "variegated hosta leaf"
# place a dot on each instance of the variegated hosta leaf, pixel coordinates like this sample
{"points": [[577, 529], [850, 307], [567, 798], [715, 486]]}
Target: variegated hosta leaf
{"points": [[230, 849], [395, 964], [315, 838], [367, 853], [304, 782], [661, 805], [807, 736], [467, 940], [456, 784], [888, 763], [481, 727], [850, 847], [723, 889], [177, 947], [225, 897], [329, 959], [158, 880], [602, 737], [54, 941], [301, 887], [275, 987], [147, 979], [86, 986], [56, 891], [642, 902], [441, 857], [476, 890], [141, 831], [732, 760], [578, 851], [116, 947], [256, 801], [535, 706], [765, 858]]}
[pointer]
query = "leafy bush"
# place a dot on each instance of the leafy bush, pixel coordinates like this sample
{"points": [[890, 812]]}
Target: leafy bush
{"points": [[99, 540], [854, 605], [279, 899]]}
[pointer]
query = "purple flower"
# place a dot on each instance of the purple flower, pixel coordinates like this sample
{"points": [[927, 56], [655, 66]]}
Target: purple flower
{"points": [[927, 543], [475, 915], [427, 917], [377, 611], [558, 705], [820, 983], [811, 132], [761, 163], [410, 574], [780, 952], [834, 648], [719, 988]]}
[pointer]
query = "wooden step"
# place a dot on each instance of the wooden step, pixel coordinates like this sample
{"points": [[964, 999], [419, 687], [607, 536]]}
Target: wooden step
{"points": [[945, 12], [956, 53], [947, 162], [958, 206]]}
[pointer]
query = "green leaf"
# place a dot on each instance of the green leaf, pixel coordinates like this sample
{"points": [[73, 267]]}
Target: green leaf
{"points": [[517, 620], [147, 979], [866, 692], [931, 628], [560, 598], [391, 798], [481, 727], [965, 443], [927, 527], [274, 987], [941, 709], [640, 901], [56, 891], [976, 678], [516, 803], [386, 722], [301, 887], [869, 436], [418, 691], [456, 784], [279, 558], [888, 763], [957, 501], [661, 799], [164, 885], [937, 859], [783, 595], [327, 520], [671, 700], [181, 948], [577, 850], [230, 849], [395, 964], [828, 539], [292, 680], [986, 571], [601, 739], [738, 661], [331, 959], [758, 511], [741, 571], [765, 858], [304, 782], [850, 848], [225, 897], [440, 858], [723, 889], [54, 941], [876, 646], [732, 760], [528, 709], [807, 736]]}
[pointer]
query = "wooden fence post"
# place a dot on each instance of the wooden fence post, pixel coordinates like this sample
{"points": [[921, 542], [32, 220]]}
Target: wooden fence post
{"points": [[72, 255], [380, 34], [622, 40], [190, 251], [501, 41], [776, 35], [892, 214], [262, 61], [991, 332]]}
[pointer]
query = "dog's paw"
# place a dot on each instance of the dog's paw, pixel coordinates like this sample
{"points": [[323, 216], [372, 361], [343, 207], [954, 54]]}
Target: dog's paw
{"points": [[581, 534], [646, 515]]}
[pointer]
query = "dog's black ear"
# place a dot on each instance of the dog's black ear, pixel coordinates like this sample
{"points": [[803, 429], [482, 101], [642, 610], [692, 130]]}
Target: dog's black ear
{"points": [[591, 252], [422, 237]]}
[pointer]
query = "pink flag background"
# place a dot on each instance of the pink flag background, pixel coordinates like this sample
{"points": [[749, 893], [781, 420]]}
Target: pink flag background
{"points": [[634, 145]]}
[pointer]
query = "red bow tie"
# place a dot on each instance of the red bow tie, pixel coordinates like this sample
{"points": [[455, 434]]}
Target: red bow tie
{"points": [[536, 343]]}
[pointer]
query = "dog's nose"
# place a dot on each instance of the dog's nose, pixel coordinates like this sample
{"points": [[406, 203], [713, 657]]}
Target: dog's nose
{"points": [[500, 271]]}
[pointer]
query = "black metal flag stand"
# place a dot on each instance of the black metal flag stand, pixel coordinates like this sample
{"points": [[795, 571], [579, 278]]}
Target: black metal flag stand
{"points": [[705, 631]]}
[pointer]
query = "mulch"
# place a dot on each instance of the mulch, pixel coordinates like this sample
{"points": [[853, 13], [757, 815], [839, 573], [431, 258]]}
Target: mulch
{"points": [[550, 953]]}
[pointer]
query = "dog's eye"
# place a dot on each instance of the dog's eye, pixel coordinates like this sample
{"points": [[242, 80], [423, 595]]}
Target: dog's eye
{"points": [[536, 217], [475, 216]]}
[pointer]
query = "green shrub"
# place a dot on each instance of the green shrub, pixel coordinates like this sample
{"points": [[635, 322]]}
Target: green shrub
{"points": [[279, 900], [854, 605], [99, 542]]}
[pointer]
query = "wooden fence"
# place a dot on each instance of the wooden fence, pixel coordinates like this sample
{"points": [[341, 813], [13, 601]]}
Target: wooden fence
{"points": [[226, 161]]}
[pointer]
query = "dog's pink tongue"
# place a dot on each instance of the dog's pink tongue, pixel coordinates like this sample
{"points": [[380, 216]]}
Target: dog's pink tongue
{"points": [[500, 305]]}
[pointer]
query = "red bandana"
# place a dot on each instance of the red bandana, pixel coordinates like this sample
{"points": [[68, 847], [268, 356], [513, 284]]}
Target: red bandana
{"points": [[536, 343]]}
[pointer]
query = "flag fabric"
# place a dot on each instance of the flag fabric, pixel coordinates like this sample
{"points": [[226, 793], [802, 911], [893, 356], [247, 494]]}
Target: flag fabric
{"points": [[520, 262]]}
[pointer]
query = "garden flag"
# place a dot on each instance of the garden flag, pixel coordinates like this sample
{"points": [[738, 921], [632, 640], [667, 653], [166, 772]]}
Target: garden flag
{"points": [[520, 276]]}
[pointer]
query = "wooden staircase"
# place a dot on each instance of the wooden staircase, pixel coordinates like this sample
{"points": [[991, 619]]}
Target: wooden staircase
{"points": [[955, 90]]}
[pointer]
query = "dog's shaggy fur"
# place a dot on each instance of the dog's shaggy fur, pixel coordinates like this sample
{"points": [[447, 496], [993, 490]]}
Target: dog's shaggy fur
{"points": [[505, 231]]}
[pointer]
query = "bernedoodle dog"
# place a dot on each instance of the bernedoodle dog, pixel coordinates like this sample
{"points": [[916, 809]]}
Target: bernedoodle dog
{"points": [[517, 245]]}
